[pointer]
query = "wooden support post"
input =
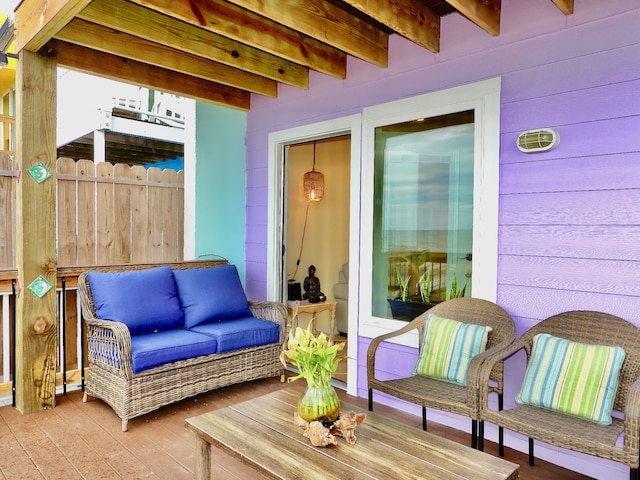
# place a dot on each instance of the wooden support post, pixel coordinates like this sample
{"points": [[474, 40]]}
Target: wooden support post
{"points": [[35, 366]]}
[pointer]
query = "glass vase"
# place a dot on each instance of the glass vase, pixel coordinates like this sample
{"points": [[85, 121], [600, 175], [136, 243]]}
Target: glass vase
{"points": [[319, 403]]}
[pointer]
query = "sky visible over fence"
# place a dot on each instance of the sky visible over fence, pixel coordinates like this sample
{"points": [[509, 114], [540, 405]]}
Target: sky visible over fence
{"points": [[8, 6]]}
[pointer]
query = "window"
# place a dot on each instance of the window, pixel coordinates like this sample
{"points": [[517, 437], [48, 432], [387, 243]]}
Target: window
{"points": [[429, 207], [423, 215]]}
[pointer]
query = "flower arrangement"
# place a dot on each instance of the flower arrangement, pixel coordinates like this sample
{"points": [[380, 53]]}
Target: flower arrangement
{"points": [[316, 358]]}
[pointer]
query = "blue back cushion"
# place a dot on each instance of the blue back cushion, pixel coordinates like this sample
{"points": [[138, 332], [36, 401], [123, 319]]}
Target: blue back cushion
{"points": [[144, 300], [211, 294]]}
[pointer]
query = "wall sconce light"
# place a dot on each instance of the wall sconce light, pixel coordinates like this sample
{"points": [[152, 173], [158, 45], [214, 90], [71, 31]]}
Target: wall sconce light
{"points": [[539, 140], [313, 182], [4, 58]]}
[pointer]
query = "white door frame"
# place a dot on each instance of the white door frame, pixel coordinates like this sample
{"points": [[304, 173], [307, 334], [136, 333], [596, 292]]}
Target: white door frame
{"points": [[350, 125]]}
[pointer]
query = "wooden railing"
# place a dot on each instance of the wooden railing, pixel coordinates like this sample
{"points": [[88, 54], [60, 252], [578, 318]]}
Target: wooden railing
{"points": [[71, 344]]}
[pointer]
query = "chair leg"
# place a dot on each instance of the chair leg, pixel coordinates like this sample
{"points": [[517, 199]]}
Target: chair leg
{"points": [[474, 433], [500, 429], [481, 435], [424, 418], [371, 399], [531, 462], [634, 474]]}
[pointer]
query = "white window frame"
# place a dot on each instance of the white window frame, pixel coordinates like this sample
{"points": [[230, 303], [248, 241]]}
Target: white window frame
{"points": [[482, 97]]}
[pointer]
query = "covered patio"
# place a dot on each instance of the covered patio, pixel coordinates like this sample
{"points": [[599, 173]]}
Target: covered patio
{"points": [[278, 73]]}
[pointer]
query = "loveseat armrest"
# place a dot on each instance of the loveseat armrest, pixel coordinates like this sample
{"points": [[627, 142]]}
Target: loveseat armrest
{"points": [[109, 345], [274, 312]]}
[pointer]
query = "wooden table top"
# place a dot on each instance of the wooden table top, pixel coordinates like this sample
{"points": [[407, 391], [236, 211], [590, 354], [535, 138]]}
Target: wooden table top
{"points": [[261, 433]]}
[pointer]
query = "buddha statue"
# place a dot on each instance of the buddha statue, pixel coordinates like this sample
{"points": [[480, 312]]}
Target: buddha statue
{"points": [[312, 287]]}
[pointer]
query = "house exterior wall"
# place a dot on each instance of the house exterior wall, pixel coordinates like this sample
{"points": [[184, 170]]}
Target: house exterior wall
{"points": [[220, 180], [569, 221]]}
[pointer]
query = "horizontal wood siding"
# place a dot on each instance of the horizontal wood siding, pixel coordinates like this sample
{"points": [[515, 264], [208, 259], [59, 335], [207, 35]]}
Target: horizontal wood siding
{"points": [[569, 218]]}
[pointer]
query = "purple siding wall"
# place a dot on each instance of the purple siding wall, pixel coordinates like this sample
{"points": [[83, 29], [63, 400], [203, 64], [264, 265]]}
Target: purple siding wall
{"points": [[569, 220]]}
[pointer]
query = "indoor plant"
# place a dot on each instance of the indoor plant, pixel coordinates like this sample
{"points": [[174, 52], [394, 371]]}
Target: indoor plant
{"points": [[316, 359]]}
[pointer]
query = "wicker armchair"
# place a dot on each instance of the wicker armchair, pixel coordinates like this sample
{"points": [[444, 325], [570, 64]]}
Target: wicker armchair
{"points": [[440, 395], [563, 430]]}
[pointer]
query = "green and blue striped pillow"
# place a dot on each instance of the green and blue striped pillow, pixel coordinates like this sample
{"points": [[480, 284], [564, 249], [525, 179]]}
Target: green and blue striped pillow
{"points": [[573, 378], [448, 347]]}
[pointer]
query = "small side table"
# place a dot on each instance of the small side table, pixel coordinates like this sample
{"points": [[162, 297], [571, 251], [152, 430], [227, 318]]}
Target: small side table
{"points": [[313, 309]]}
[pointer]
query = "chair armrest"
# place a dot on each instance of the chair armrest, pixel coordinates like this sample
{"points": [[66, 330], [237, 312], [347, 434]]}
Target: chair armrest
{"points": [[273, 312], [109, 344], [474, 371], [491, 358], [416, 324], [632, 418]]}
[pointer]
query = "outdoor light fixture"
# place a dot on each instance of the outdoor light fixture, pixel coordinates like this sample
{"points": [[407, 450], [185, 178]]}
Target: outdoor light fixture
{"points": [[539, 140], [314, 181], [4, 58]]}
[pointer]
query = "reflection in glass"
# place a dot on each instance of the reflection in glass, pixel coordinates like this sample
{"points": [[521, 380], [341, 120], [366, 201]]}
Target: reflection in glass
{"points": [[423, 214]]}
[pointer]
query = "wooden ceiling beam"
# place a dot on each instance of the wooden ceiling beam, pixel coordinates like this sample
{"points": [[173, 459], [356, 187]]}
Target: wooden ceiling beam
{"points": [[138, 73], [328, 23], [565, 6], [158, 28], [228, 20], [484, 13], [413, 20], [37, 21], [107, 40]]}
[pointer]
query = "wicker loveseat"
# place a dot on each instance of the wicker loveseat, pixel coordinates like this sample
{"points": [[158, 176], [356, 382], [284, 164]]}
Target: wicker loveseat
{"points": [[569, 431], [159, 335], [438, 394]]}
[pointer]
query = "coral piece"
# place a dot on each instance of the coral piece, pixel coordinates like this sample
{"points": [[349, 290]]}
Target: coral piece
{"points": [[319, 435], [346, 425], [322, 434]]}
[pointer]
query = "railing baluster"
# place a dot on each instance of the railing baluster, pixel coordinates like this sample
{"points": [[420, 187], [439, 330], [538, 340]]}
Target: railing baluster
{"points": [[63, 326], [13, 342]]}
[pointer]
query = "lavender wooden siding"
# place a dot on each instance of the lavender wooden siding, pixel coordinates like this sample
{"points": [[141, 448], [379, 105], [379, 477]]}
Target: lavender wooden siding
{"points": [[569, 220]]}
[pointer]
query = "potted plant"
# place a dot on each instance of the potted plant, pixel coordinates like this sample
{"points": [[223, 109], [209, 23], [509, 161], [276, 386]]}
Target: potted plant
{"points": [[453, 290], [414, 298], [316, 359]]}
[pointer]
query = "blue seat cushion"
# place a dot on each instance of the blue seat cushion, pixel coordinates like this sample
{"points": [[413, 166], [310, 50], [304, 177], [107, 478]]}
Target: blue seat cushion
{"points": [[144, 300], [151, 350], [211, 294], [240, 333]]}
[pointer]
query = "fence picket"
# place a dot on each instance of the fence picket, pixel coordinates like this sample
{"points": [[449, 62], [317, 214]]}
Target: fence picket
{"points": [[66, 221], [156, 213], [86, 233], [121, 229], [139, 215]]}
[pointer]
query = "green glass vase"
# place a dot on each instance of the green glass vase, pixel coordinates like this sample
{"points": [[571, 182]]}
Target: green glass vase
{"points": [[319, 403]]}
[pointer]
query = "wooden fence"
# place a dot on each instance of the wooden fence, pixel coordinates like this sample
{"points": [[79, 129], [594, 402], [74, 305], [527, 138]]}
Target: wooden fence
{"points": [[107, 214]]}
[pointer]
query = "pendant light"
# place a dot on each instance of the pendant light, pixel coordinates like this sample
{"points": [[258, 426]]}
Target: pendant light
{"points": [[314, 182]]}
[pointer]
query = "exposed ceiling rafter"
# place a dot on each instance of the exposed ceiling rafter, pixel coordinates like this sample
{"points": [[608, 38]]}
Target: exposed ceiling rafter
{"points": [[222, 51]]}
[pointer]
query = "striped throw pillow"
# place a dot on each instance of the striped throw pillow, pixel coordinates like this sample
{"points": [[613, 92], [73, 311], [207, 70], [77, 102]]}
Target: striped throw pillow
{"points": [[573, 378], [448, 347]]}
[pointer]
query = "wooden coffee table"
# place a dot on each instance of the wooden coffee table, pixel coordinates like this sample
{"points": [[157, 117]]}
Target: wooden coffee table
{"points": [[261, 433]]}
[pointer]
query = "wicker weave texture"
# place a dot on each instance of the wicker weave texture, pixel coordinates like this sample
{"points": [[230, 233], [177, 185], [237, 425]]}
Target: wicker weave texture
{"points": [[441, 395], [112, 380], [563, 430]]}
